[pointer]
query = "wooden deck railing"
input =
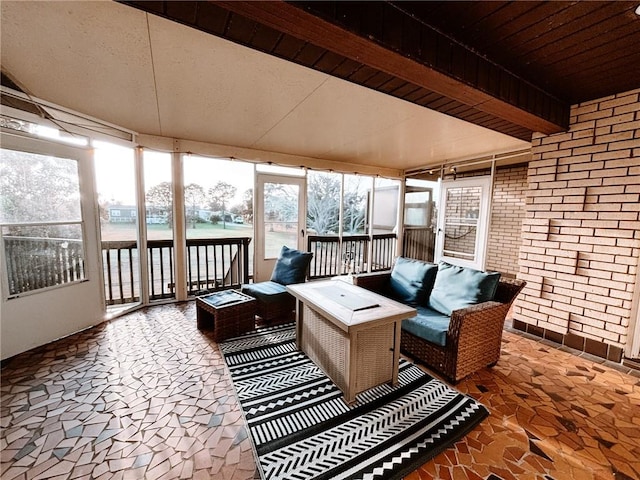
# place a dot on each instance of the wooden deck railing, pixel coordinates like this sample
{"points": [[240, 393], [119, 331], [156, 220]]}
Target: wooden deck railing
{"points": [[383, 252], [419, 243], [212, 264], [35, 263], [334, 256], [217, 264]]}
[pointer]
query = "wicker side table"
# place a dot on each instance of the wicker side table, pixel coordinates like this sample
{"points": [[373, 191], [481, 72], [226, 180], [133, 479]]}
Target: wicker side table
{"points": [[229, 313]]}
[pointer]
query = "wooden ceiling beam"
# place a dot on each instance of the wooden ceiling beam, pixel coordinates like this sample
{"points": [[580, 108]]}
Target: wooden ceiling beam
{"points": [[438, 63]]}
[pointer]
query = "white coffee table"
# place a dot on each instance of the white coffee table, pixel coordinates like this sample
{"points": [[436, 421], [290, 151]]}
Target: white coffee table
{"points": [[351, 333]]}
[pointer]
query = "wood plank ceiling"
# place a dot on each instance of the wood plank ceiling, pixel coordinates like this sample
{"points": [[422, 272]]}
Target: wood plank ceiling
{"points": [[514, 67]]}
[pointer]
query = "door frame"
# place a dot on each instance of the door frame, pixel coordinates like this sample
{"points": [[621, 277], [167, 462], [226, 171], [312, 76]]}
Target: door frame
{"points": [[482, 230], [632, 348], [262, 267], [70, 307]]}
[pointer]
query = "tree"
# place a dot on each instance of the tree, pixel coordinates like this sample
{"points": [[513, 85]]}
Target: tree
{"points": [[354, 211], [247, 205], [281, 204], [38, 188], [160, 200], [323, 203], [194, 197], [219, 195]]}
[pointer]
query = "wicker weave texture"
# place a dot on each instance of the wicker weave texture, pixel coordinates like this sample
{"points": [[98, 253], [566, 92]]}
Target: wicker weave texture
{"points": [[473, 340], [228, 320], [284, 308], [376, 282], [355, 362], [327, 346], [374, 356], [474, 337]]}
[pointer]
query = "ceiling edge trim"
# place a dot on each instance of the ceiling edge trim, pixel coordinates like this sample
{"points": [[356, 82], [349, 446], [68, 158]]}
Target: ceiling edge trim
{"points": [[166, 144], [469, 161]]}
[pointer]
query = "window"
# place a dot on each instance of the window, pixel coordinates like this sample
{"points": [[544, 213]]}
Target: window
{"points": [[341, 234], [40, 221], [323, 203], [355, 204]]}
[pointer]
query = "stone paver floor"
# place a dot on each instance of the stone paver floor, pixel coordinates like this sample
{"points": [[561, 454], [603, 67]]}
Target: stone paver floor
{"points": [[147, 396]]}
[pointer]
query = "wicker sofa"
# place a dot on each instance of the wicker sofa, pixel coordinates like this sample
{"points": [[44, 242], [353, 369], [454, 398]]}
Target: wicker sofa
{"points": [[466, 340]]}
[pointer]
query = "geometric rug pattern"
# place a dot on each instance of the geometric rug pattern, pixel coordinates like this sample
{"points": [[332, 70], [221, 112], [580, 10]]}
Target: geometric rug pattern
{"points": [[303, 429]]}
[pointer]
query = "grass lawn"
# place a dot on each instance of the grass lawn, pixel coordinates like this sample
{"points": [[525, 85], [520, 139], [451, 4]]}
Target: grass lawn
{"points": [[127, 231]]}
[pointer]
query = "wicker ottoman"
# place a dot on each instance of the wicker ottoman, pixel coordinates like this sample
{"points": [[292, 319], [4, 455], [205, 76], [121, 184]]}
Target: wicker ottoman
{"points": [[229, 313]]}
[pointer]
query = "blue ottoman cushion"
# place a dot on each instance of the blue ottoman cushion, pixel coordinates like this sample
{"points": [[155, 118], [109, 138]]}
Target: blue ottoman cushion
{"points": [[267, 292]]}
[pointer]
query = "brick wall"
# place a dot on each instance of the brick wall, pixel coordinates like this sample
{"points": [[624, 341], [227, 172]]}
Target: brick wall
{"points": [[505, 231], [581, 231]]}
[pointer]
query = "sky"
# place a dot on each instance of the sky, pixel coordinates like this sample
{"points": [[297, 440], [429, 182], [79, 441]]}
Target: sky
{"points": [[114, 166]]}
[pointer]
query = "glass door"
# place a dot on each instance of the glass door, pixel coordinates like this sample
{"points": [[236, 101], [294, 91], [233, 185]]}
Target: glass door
{"points": [[462, 222], [418, 240], [280, 217], [49, 251]]}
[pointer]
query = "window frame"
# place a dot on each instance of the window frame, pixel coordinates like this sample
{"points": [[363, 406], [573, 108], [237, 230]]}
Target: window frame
{"points": [[29, 145]]}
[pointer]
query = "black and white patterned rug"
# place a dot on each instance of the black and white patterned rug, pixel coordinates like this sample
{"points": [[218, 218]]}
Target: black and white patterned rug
{"points": [[303, 429]]}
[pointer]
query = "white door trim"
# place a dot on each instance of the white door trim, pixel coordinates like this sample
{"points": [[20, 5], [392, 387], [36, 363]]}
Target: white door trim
{"points": [[632, 349], [42, 316], [479, 259], [262, 267]]}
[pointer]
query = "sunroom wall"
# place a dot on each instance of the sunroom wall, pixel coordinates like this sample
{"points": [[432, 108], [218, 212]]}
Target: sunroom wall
{"points": [[581, 231], [507, 213]]}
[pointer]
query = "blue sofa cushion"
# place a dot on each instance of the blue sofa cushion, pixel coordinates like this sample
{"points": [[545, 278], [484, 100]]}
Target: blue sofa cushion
{"points": [[460, 287], [411, 281], [428, 325], [267, 292], [291, 266]]}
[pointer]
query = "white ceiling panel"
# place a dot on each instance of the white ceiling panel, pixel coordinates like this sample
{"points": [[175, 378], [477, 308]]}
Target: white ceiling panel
{"points": [[93, 57], [157, 77], [337, 113], [213, 89], [426, 139]]}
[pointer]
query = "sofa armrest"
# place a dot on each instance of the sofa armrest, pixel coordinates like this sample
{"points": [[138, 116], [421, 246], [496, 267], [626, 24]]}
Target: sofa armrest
{"points": [[376, 281], [478, 323], [508, 289]]}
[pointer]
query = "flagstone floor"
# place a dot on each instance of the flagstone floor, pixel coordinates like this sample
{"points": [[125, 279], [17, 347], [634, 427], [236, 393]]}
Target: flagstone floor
{"points": [[147, 396]]}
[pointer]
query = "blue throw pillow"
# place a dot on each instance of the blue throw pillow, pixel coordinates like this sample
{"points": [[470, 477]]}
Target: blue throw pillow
{"points": [[411, 281], [460, 287], [291, 266]]}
